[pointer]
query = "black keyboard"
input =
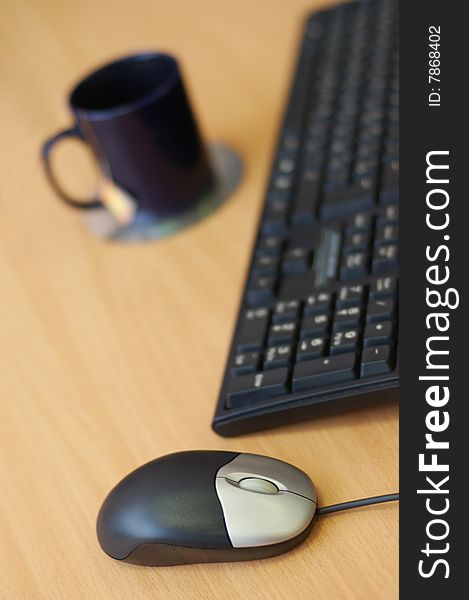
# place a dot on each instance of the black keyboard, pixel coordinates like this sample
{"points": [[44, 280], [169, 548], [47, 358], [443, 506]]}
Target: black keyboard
{"points": [[317, 327]]}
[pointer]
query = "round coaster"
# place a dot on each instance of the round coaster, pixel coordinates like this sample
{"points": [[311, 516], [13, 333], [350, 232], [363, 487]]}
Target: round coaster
{"points": [[227, 168]]}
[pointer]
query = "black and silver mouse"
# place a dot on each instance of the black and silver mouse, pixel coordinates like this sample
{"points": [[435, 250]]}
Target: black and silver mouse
{"points": [[207, 506]]}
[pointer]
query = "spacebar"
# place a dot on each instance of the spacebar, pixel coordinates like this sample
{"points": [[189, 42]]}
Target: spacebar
{"points": [[324, 371]]}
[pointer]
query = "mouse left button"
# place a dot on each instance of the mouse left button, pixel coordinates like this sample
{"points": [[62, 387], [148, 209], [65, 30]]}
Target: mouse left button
{"points": [[171, 500]]}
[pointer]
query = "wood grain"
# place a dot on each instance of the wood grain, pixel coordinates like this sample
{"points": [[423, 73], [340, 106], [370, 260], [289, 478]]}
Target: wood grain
{"points": [[112, 355]]}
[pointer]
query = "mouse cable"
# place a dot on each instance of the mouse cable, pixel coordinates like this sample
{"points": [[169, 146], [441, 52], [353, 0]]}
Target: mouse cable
{"points": [[324, 510]]}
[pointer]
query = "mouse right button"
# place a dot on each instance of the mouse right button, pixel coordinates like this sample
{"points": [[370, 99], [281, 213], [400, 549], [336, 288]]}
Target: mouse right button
{"points": [[254, 519]]}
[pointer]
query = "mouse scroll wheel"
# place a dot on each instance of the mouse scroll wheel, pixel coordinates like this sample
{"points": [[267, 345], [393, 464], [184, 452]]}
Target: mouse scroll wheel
{"points": [[262, 486]]}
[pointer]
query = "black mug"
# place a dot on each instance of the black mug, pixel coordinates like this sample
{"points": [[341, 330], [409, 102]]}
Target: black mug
{"points": [[135, 115]]}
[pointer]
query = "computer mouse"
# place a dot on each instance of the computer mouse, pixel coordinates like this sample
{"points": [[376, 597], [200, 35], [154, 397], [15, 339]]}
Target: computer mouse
{"points": [[207, 506]]}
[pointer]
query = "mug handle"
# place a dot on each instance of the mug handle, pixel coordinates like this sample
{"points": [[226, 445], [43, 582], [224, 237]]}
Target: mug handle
{"points": [[47, 147]]}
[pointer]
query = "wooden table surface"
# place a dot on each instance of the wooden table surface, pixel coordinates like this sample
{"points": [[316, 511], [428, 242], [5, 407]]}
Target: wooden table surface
{"points": [[111, 355]]}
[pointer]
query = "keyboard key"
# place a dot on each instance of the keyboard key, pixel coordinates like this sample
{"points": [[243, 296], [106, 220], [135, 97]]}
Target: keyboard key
{"points": [[280, 333], [385, 258], [270, 245], [378, 333], [388, 216], [295, 260], [282, 181], [359, 222], [356, 241], [277, 356], [383, 286], [245, 363], [387, 234], [261, 289], [287, 164], [310, 347], [350, 295], [323, 371], [317, 303], [255, 387], [315, 324], [275, 218], [354, 265], [376, 361], [344, 341], [296, 253], [286, 311], [380, 309], [265, 265], [346, 318], [252, 329]]}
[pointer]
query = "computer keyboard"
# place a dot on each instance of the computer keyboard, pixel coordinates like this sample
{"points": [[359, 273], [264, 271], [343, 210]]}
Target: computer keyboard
{"points": [[317, 327]]}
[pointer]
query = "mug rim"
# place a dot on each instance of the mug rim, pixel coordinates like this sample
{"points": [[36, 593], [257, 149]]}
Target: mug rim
{"points": [[101, 114]]}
